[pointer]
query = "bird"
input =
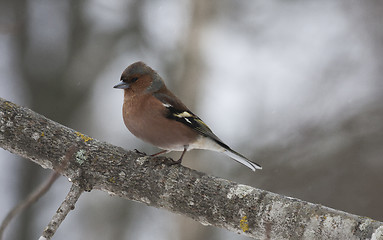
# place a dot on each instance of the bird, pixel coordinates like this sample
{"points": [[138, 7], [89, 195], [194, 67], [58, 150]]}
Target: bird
{"points": [[154, 114]]}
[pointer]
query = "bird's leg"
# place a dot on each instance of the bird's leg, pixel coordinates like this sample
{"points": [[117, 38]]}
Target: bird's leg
{"points": [[182, 155], [139, 152], [173, 162], [159, 153]]}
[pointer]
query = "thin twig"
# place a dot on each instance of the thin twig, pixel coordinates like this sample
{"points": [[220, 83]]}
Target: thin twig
{"points": [[67, 205], [32, 198], [36, 195]]}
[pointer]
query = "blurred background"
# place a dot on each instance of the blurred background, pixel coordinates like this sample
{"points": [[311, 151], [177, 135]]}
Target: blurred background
{"points": [[294, 85]]}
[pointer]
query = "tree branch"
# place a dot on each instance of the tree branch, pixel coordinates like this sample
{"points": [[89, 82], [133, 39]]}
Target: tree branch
{"points": [[135, 176], [66, 206]]}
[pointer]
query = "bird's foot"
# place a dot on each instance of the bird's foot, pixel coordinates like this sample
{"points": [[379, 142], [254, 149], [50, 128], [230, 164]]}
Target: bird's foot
{"points": [[136, 151]]}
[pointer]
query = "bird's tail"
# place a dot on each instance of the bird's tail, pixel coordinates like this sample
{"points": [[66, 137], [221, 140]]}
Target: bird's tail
{"points": [[241, 159]]}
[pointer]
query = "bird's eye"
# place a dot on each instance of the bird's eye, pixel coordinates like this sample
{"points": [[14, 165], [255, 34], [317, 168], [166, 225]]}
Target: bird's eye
{"points": [[134, 79]]}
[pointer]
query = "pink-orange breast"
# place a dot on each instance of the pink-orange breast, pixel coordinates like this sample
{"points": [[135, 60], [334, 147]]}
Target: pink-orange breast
{"points": [[145, 117]]}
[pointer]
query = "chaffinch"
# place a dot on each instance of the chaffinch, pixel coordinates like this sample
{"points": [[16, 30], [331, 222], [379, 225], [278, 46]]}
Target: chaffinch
{"points": [[154, 114]]}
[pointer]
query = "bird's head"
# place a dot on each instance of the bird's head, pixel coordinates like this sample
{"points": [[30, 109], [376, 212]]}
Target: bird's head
{"points": [[140, 78]]}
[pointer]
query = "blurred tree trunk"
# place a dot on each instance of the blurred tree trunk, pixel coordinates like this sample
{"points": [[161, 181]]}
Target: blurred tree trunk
{"points": [[187, 85], [192, 64], [30, 174], [57, 81]]}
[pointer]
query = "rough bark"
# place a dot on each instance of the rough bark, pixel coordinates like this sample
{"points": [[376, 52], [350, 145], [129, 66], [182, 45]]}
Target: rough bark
{"points": [[66, 206], [154, 182]]}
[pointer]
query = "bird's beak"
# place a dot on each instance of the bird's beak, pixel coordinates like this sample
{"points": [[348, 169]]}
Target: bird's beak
{"points": [[122, 85]]}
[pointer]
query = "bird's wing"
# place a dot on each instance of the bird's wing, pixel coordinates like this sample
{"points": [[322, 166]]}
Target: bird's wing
{"points": [[177, 111]]}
